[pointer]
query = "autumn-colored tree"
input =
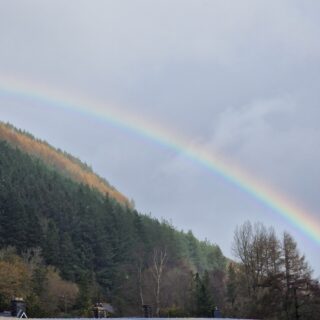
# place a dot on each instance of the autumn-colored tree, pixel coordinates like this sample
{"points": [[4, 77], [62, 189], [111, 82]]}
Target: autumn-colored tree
{"points": [[60, 295], [15, 281], [276, 277], [297, 278], [15, 277], [62, 161]]}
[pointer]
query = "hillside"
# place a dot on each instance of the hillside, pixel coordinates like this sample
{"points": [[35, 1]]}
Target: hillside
{"points": [[65, 245], [63, 162], [64, 232]]}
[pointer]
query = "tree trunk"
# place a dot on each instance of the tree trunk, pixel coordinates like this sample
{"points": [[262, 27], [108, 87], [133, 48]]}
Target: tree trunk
{"points": [[159, 261]]}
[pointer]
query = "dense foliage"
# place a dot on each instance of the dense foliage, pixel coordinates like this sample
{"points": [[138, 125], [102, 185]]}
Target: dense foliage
{"points": [[108, 250], [61, 161], [65, 245]]}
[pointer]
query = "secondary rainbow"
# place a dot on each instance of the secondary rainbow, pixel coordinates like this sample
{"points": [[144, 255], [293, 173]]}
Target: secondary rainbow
{"points": [[213, 161]]}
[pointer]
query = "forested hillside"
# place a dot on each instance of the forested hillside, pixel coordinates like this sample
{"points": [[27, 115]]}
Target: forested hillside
{"points": [[62, 161], [65, 244]]}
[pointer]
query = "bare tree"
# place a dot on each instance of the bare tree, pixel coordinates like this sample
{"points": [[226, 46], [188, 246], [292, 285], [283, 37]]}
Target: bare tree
{"points": [[274, 274], [242, 249], [158, 265], [140, 280]]}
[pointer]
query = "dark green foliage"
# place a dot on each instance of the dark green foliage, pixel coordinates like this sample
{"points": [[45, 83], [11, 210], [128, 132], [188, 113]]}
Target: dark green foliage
{"points": [[231, 285], [92, 239], [204, 305]]}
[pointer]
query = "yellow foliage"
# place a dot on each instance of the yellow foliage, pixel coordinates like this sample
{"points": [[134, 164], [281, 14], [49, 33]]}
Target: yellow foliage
{"points": [[15, 279], [56, 159], [59, 294]]}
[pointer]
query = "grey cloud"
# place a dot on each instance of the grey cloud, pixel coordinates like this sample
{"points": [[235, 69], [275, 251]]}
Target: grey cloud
{"points": [[238, 76]]}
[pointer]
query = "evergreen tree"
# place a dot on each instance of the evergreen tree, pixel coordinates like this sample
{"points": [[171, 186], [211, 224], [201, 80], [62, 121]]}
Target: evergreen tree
{"points": [[203, 298], [297, 276]]}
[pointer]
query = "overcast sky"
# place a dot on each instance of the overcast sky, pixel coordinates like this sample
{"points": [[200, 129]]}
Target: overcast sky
{"points": [[241, 77]]}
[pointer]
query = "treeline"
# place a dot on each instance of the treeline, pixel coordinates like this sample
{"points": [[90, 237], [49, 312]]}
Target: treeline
{"points": [[181, 293], [63, 162], [272, 280], [65, 245], [98, 249], [43, 289]]}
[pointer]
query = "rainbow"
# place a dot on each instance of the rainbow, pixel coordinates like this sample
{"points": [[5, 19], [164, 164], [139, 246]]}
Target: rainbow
{"points": [[213, 161]]}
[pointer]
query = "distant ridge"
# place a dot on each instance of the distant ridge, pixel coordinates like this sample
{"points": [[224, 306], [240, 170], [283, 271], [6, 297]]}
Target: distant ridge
{"points": [[61, 161]]}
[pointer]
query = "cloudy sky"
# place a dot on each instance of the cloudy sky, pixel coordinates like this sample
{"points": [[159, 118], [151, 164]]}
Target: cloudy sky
{"points": [[240, 77]]}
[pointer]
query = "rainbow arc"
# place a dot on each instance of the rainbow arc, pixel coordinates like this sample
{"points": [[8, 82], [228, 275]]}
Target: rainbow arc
{"points": [[212, 161]]}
